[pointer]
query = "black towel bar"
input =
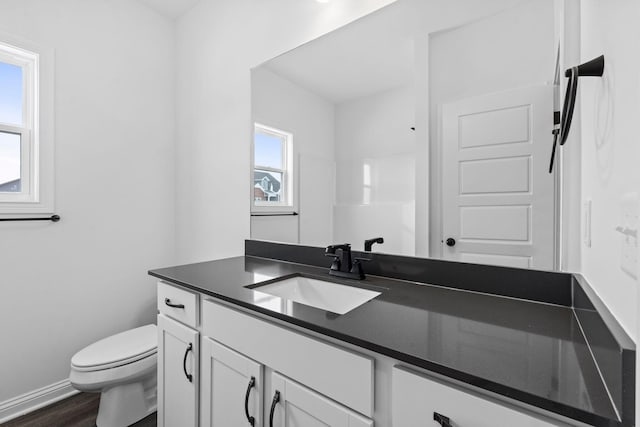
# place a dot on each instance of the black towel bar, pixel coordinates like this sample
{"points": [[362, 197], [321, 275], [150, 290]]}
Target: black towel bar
{"points": [[52, 218], [276, 214]]}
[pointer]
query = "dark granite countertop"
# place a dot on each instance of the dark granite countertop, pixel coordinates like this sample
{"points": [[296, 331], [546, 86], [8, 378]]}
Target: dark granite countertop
{"points": [[529, 351]]}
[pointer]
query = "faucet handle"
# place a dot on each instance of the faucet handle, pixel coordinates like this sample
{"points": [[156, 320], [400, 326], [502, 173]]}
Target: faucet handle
{"points": [[334, 248], [336, 264], [356, 267]]}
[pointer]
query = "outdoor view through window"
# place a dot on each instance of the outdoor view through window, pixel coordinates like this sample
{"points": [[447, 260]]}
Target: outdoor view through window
{"points": [[270, 166], [11, 87]]}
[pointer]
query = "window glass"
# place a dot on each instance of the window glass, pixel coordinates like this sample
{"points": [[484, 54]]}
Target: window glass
{"points": [[9, 162], [267, 186], [268, 150], [10, 94], [272, 169]]}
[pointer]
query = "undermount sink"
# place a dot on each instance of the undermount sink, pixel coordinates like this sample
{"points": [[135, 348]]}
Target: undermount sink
{"points": [[320, 294]]}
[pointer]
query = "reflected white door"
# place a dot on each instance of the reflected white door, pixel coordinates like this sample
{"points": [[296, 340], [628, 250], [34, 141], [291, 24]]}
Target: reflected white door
{"points": [[498, 197]]}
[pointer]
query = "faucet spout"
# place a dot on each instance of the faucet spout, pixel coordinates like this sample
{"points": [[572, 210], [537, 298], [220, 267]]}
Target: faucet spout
{"points": [[369, 243]]}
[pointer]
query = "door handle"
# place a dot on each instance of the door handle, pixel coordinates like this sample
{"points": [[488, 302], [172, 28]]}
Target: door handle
{"points": [[184, 363], [274, 402], [168, 302], [252, 383], [442, 420], [450, 242]]}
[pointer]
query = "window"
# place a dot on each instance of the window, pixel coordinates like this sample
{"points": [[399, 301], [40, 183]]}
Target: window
{"points": [[26, 142], [272, 169]]}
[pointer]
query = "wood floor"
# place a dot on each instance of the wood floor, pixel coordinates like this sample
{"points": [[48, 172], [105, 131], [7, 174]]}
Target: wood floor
{"points": [[79, 410]]}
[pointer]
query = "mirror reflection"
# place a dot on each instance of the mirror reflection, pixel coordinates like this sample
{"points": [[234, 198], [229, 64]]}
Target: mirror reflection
{"points": [[426, 123]]}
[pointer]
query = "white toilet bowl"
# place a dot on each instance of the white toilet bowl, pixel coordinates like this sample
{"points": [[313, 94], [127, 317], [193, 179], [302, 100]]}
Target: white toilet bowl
{"points": [[123, 368]]}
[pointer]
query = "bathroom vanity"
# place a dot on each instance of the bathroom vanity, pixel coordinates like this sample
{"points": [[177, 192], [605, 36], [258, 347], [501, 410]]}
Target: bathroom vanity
{"points": [[443, 343]]}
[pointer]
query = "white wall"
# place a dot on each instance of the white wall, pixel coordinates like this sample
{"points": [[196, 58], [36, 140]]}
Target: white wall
{"points": [[375, 171], [610, 145], [218, 41], [68, 284], [514, 48], [279, 103]]}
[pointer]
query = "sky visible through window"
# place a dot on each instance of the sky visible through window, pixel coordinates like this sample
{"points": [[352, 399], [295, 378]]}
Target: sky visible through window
{"points": [[268, 150], [11, 114], [10, 94]]}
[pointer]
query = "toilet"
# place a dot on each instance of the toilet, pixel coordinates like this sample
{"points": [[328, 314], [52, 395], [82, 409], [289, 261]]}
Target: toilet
{"points": [[123, 368]]}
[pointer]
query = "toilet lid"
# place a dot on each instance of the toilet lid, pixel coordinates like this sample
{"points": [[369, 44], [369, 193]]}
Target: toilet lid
{"points": [[119, 349]]}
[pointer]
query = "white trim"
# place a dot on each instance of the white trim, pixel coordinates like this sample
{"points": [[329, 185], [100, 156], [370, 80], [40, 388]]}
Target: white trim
{"points": [[36, 399], [37, 195]]}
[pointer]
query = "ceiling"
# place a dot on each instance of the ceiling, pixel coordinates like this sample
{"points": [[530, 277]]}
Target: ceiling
{"points": [[376, 52], [172, 9]]}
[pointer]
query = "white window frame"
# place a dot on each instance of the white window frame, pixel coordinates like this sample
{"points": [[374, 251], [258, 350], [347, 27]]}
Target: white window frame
{"points": [[36, 131], [287, 204]]}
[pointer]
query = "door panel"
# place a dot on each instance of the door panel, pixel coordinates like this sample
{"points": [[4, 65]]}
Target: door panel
{"points": [[507, 223], [301, 407], [226, 375], [485, 176], [498, 198], [486, 127], [177, 396], [504, 260]]}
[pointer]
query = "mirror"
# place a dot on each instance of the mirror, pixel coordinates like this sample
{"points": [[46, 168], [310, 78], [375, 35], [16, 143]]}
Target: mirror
{"points": [[426, 123]]}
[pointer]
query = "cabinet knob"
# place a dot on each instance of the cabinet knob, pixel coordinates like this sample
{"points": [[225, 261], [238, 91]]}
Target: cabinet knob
{"points": [[184, 363], [274, 402], [252, 383], [451, 241], [442, 420]]}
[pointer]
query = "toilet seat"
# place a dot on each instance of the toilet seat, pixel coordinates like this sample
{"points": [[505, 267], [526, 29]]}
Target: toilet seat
{"points": [[117, 350], [97, 380]]}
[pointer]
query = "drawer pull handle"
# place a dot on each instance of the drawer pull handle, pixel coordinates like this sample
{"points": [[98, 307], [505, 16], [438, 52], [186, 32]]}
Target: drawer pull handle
{"points": [[184, 363], [168, 302], [276, 399], [252, 383], [442, 420]]}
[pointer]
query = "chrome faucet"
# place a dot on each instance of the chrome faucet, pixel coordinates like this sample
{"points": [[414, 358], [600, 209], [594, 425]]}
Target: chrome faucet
{"points": [[343, 266]]}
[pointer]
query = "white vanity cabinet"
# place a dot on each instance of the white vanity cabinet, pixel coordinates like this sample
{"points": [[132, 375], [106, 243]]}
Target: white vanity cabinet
{"points": [[231, 387], [178, 357], [319, 384], [221, 366], [419, 400], [293, 405]]}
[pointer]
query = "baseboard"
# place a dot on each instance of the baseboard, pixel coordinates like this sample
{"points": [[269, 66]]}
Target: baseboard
{"points": [[36, 399]]}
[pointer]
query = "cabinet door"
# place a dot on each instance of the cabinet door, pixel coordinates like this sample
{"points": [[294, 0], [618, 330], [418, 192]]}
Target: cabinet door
{"points": [[231, 390], [178, 352], [418, 400], [298, 406]]}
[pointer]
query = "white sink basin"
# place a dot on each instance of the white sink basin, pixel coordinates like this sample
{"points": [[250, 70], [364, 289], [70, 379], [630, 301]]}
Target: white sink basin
{"points": [[327, 296]]}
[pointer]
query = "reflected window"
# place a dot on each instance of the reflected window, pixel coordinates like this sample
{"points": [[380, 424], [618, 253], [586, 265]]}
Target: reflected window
{"points": [[272, 168]]}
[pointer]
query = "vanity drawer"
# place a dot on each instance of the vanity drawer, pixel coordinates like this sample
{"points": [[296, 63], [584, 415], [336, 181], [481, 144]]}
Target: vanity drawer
{"points": [[342, 375], [416, 398], [179, 304]]}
